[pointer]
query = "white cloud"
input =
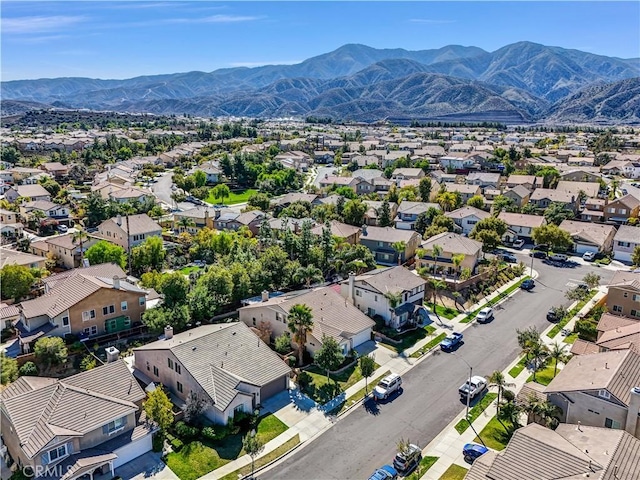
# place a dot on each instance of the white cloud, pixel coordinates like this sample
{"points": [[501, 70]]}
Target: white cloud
{"points": [[260, 64], [431, 21], [39, 24], [215, 19]]}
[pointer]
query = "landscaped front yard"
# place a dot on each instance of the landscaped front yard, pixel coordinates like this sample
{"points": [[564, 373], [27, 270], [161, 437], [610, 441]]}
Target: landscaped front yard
{"points": [[240, 196], [321, 389], [454, 472], [199, 457], [409, 339], [545, 375], [495, 435]]}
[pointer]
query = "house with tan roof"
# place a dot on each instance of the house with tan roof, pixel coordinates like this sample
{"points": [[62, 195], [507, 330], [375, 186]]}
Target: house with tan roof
{"points": [[622, 209], [465, 191], [394, 293], [530, 182], [15, 257], [226, 364], [543, 197], [380, 241], [66, 429], [589, 237], [519, 195], [614, 333], [332, 316], [10, 225], [590, 189], [466, 218], [407, 174], [371, 215], [570, 452], [623, 297], [85, 302], [130, 230], [64, 250], [344, 231], [32, 192], [199, 216], [626, 240], [408, 213], [452, 244], [521, 225], [599, 390]]}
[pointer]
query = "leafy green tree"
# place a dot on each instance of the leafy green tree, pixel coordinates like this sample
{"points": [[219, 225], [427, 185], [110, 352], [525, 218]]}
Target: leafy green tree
{"points": [[200, 178], [422, 222], [353, 212], [329, 356], [553, 236], [489, 231], [283, 343], [149, 255], [556, 213], [591, 280], [424, 187], [10, 155], [300, 323], [15, 281], [96, 209], [88, 362], [635, 256], [106, 252], [50, 351], [384, 214], [221, 191], [501, 203], [476, 201], [9, 369], [159, 409], [29, 369], [213, 290], [253, 446], [174, 288], [261, 201], [367, 366], [158, 318]]}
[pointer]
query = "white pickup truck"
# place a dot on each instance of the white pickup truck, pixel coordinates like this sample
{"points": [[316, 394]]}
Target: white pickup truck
{"points": [[473, 387]]}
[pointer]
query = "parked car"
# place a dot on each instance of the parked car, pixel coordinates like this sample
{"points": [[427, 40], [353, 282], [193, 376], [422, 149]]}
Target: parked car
{"points": [[518, 244], [473, 387], [552, 315], [538, 254], [558, 257], [509, 257], [405, 462], [472, 451], [63, 228], [589, 256], [528, 284], [485, 315], [451, 342], [385, 472], [388, 385]]}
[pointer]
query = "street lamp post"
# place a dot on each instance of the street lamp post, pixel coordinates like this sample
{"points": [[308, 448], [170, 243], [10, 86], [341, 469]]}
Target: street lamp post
{"points": [[469, 386]]}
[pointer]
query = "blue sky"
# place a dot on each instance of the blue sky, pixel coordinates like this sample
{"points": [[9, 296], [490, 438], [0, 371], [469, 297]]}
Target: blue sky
{"points": [[122, 39]]}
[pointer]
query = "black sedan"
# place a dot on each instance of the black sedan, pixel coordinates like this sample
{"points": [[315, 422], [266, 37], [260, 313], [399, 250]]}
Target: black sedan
{"points": [[528, 284]]}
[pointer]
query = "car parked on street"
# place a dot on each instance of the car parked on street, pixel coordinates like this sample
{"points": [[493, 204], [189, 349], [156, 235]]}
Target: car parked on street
{"points": [[472, 387], [485, 315], [451, 342], [385, 472], [508, 257], [538, 254], [63, 228], [472, 451], [528, 284], [388, 385], [589, 256], [405, 462], [558, 257]]}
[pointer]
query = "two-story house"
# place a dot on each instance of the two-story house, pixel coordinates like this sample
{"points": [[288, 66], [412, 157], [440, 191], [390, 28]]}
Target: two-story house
{"points": [[408, 213], [15, 257], [372, 214], [332, 315], [381, 241], [530, 182], [589, 189], [130, 230], [407, 174], [234, 221], [589, 237], [451, 244], [622, 209], [465, 191], [48, 209], [86, 302], [600, 390], [543, 197], [484, 179], [194, 219], [521, 225], [467, 217], [593, 210], [65, 251], [10, 225], [32, 192], [225, 364], [393, 293], [626, 240], [343, 231], [519, 195], [623, 297]]}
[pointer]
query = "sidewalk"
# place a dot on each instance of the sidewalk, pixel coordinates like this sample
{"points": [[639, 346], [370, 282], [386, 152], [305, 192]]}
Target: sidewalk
{"points": [[308, 419]]}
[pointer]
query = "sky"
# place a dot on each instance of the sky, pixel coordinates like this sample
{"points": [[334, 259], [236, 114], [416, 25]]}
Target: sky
{"points": [[124, 39]]}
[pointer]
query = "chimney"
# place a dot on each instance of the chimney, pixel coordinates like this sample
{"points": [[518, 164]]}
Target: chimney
{"points": [[352, 288], [633, 412], [119, 220], [112, 354], [364, 230], [116, 282], [168, 332], [265, 296]]}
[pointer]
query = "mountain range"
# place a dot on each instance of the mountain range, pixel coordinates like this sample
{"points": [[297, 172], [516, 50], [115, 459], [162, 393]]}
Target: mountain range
{"points": [[519, 83]]}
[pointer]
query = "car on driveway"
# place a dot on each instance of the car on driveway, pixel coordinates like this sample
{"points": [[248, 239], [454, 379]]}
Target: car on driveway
{"points": [[405, 462], [472, 387], [385, 472], [518, 244], [485, 315], [589, 256], [528, 284], [451, 342], [472, 451]]}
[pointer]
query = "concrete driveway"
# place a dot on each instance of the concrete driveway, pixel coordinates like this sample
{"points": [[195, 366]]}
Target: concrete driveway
{"points": [[148, 465]]}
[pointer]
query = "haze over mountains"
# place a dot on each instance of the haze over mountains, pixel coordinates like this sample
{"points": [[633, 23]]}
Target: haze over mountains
{"points": [[522, 82]]}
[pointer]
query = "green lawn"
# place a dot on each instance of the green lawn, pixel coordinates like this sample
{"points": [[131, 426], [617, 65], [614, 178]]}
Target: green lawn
{"points": [[425, 464], [188, 270], [519, 367], [409, 339], [446, 312], [570, 339], [322, 390], [494, 300], [454, 472], [359, 395], [433, 343], [261, 461], [545, 375], [494, 435], [475, 412], [570, 314], [197, 458], [240, 196]]}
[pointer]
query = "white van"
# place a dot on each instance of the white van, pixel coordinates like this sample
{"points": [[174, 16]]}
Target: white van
{"points": [[558, 257], [387, 386]]}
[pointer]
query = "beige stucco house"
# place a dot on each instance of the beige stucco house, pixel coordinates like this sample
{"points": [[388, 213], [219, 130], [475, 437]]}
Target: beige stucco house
{"points": [[129, 231]]}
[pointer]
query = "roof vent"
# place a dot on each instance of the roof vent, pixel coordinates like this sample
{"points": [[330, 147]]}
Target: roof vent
{"points": [[193, 349]]}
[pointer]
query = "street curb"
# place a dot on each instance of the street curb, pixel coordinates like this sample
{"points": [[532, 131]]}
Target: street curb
{"points": [[267, 465]]}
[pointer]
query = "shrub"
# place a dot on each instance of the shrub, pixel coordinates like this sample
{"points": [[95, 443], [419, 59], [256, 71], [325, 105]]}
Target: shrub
{"points": [[283, 344], [304, 379], [209, 432], [88, 362], [29, 369], [157, 442], [508, 395], [185, 431], [77, 346], [291, 359], [177, 444]]}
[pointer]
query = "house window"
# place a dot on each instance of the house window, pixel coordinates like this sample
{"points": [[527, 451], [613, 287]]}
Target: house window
{"points": [[617, 309], [141, 301], [65, 321], [612, 210], [155, 371], [636, 298], [358, 293], [56, 454], [179, 385], [381, 244], [623, 211], [254, 321], [604, 394], [124, 306], [635, 313], [88, 315], [625, 294], [148, 367], [94, 329], [170, 363], [278, 317], [371, 312], [114, 427], [375, 298], [108, 310], [610, 423], [178, 369]]}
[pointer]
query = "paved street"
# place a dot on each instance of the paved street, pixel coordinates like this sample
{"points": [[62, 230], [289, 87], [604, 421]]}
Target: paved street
{"points": [[366, 438]]}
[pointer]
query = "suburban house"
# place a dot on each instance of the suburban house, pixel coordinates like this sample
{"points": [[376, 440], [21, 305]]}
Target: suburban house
{"points": [[623, 297], [55, 169], [568, 452], [521, 225], [519, 195], [407, 174], [599, 390], [627, 168], [86, 302], [15, 257], [484, 179], [579, 175], [332, 314], [225, 364], [289, 198], [455, 162], [344, 231], [381, 240], [408, 213], [199, 218], [130, 230], [68, 428], [451, 244], [594, 209], [212, 171], [590, 189], [465, 191], [467, 217], [622, 209], [614, 333], [627, 238], [590, 237], [234, 221], [543, 197], [32, 192], [48, 209], [336, 181], [372, 217], [10, 225], [64, 250], [375, 293], [530, 182]]}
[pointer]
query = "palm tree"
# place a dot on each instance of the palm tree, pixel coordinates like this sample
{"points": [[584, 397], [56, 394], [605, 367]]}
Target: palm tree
{"points": [[436, 251], [558, 354], [394, 298], [185, 222], [399, 247], [436, 286], [308, 274], [548, 414], [300, 323], [35, 217], [80, 236], [128, 209], [511, 413], [539, 353], [457, 261], [497, 379]]}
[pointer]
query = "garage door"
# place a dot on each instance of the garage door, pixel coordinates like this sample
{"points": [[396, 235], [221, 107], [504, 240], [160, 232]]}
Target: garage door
{"points": [[272, 388], [132, 450], [361, 337], [622, 256]]}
